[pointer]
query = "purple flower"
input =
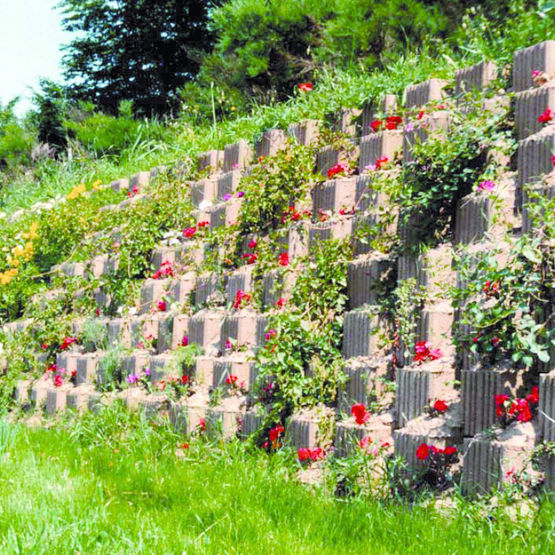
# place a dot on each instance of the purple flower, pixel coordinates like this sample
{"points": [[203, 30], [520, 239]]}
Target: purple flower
{"points": [[132, 378], [409, 127], [147, 371], [240, 194], [227, 196], [486, 186]]}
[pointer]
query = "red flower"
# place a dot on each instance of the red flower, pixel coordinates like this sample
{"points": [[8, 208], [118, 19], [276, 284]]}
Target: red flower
{"points": [[231, 380], [304, 454], [546, 117], [420, 115], [393, 122], [67, 342], [185, 341], [280, 302], [376, 124], [305, 87], [270, 334], [162, 306], [276, 432], [317, 454], [189, 232], [58, 381], [339, 169], [422, 452], [360, 414], [202, 424], [381, 161], [241, 298], [450, 450], [534, 397], [251, 257], [203, 224], [252, 244], [423, 353], [185, 446], [283, 259], [365, 442], [440, 406], [184, 379], [553, 159]]}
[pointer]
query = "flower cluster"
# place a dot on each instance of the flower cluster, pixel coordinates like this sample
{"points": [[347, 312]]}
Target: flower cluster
{"points": [[142, 378], [547, 116], [424, 352], [438, 407], [305, 87], [274, 435], [360, 414], [242, 299], [425, 451], [380, 163], [293, 215], [390, 123], [340, 169], [283, 259], [190, 232], [486, 186], [306, 454], [134, 192], [164, 271], [369, 447], [520, 410], [67, 342]]}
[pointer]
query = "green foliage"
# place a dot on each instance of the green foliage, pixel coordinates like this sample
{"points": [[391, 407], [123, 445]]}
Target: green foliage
{"points": [[16, 139]]}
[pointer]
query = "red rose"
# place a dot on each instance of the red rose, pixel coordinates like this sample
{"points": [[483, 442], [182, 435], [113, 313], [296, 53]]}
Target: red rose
{"points": [[304, 454], [534, 397], [440, 406]]}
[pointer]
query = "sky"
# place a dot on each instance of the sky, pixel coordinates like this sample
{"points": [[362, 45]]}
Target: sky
{"points": [[30, 40]]}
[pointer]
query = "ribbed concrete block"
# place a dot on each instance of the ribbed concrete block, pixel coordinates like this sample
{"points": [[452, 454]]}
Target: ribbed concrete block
{"points": [[546, 407], [152, 292], [22, 392], [305, 132], [179, 330], [144, 329], [67, 361], [418, 133], [56, 400], [360, 334], [327, 157], [203, 371], [241, 279], [215, 215], [531, 194], [368, 198], [208, 288], [119, 331], [476, 77], [310, 429], [271, 143], [479, 388], [228, 184], [77, 399], [162, 255], [141, 179], [368, 279], [120, 185], [534, 158], [345, 121], [348, 434], [237, 365], [272, 288], [86, 369], [529, 105], [203, 191], [539, 57], [154, 405], [417, 386], [131, 398], [435, 325], [186, 415], [371, 111], [252, 422], [294, 241], [205, 329], [241, 328], [210, 161], [384, 143], [134, 364], [38, 393], [237, 156], [484, 214], [181, 288], [332, 229], [365, 382], [224, 421], [162, 367], [72, 269], [364, 227], [420, 94], [103, 265], [232, 211], [332, 196]]}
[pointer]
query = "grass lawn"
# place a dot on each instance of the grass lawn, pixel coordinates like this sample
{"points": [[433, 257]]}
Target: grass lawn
{"points": [[113, 484]]}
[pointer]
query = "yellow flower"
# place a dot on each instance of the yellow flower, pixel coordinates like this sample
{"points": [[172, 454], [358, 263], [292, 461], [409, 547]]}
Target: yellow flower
{"points": [[97, 185], [77, 191], [32, 234], [7, 276]]}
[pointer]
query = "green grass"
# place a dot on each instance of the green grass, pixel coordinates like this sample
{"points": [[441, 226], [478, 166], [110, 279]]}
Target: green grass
{"points": [[113, 484]]}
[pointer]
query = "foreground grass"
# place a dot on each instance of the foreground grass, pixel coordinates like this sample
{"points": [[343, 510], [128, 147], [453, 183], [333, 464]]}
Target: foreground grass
{"points": [[113, 484]]}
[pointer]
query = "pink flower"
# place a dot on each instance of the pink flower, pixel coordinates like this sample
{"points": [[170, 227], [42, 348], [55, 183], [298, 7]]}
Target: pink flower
{"points": [[270, 334], [365, 442], [228, 344], [423, 353], [240, 194], [241, 298], [486, 186], [185, 341], [189, 232], [280, 302], [162, 306]]}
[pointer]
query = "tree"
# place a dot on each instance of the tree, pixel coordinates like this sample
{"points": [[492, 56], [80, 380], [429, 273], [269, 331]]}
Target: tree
{"points": [[50, 114], [137, 50]]}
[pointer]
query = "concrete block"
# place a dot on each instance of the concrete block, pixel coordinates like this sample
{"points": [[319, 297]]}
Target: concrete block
{"points": [[140, 180], [228, 184], [361, 335], [252, 423], [205, 329], [294, 240], [119, 331], [203, 191], [241, 279], [120, 185], [209, 288], [67, 361], [237, 156], [238, 365], [529, 106], [154, 405], [180, 329], [72, 269], [210, 161], [224, 421], [103, 265], [86, 369], [418, 133], [479, 388], [348, 434], [368, 279], [181, 288], [420, 94], [418, 385], [305, 132], [77, 398], [330, 156], [39, 391], [539, 57], [476, 77], [331, 196], [338, 229], [203, 371], [368, 197], [22, 392], [152, 291], [377, 145], [435, 325], [241, 328], [310, 429], [188, 414], [275, 285], [134, 364], [164, 254], [370, 111], [271, 143], [56, 400], [534, 158]]}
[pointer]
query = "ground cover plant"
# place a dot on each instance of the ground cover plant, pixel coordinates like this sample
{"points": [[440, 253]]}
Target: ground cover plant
{"points": [[114, 483]]}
